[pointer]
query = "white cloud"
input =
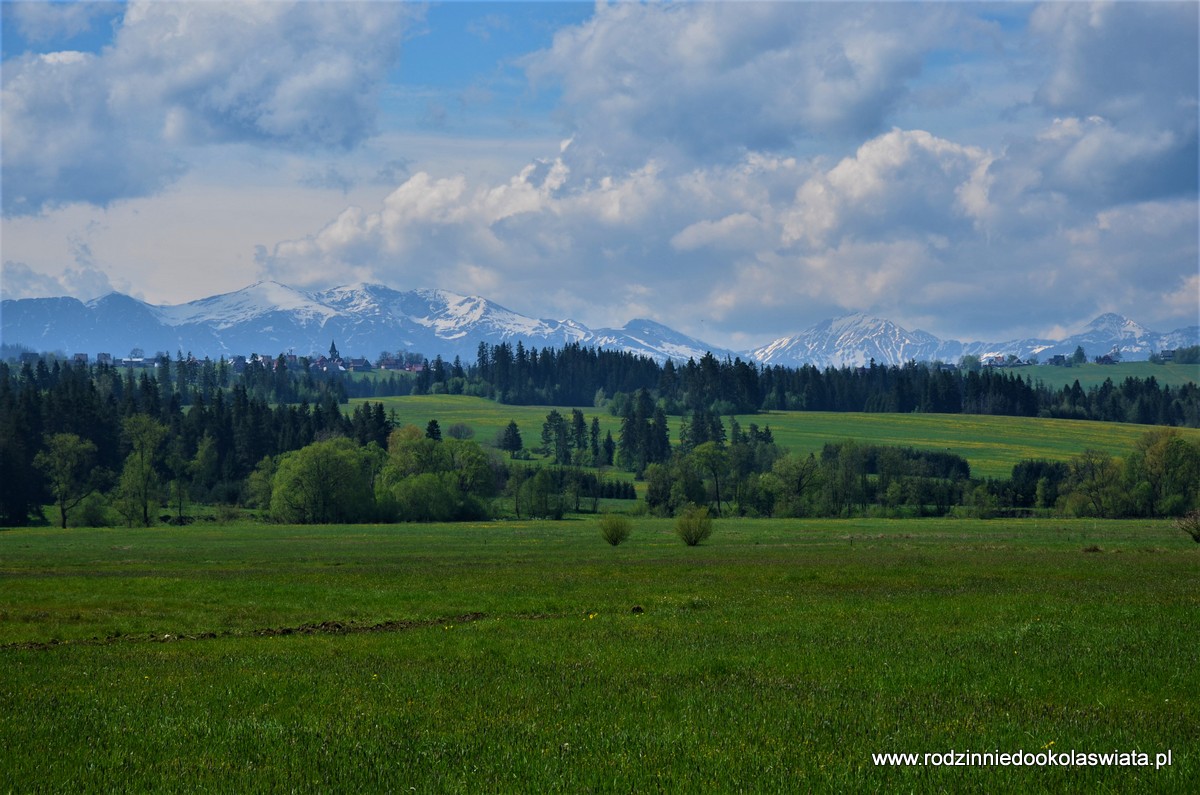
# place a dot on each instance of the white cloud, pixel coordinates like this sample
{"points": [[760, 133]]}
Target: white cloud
{"points": [[20, 281], [1124, 84], [911, 225], [889, 210], [720, 79], [1183, 297], [736, 231], [736, 170], [95, 128], [900, 183], [1123, 61]]}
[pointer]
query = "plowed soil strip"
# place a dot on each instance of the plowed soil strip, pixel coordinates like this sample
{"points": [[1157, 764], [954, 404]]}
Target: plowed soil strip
{"points": [[323, 628]]}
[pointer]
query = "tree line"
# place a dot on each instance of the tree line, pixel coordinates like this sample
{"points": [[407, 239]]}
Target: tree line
{"points": [[94, 439], [576, 375], [210, 437]]}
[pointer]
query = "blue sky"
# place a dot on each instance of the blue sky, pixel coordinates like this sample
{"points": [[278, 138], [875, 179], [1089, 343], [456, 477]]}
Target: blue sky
{"points": [[738, 171]]}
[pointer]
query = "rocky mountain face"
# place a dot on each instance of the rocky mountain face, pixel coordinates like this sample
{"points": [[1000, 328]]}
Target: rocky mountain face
{"points": [[269, 318]]}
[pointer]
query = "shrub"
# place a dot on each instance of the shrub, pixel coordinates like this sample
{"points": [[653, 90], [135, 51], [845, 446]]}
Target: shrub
{"points": [[615, 528], [228, 513], [93, 511], [1190, 524], [460, 430], [693, 525]]}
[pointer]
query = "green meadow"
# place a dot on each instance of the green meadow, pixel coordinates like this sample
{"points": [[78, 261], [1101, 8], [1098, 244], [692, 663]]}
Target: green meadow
{"points": [[1090, 375], [992, 445], [533, 657]]}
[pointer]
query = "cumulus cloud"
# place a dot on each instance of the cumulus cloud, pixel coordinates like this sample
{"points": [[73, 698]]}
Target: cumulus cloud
{"points": [[909, 225], [84, 282], [63, 141], [99, 127], [718, 79], [842, 236], [735, 170], [896, 184], [1134, 61], [1123, 84]]}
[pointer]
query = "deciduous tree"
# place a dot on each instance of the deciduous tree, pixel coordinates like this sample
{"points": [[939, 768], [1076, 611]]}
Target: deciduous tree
{"points": [[140, 487], [68, 462]]}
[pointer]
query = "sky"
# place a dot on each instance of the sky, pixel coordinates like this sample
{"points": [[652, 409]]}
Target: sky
{"points": [[738, 171]]}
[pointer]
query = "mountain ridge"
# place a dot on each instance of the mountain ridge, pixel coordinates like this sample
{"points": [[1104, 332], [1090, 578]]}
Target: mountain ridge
{"points": [[367, 318]]}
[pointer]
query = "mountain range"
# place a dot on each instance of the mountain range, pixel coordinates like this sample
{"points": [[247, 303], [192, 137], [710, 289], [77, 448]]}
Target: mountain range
{"points": [[857, 339], [367, 319]]}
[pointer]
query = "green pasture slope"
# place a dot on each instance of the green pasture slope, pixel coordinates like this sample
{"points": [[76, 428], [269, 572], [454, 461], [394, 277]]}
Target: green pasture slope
{"points": [[1090, 375], [992, 445], [532, 657], [485, 417]]}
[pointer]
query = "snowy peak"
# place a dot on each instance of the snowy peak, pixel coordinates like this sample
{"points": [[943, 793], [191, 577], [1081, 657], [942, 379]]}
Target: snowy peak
{"points": [[268, 317], [644, 337], [854, 340], [366, 319], [247, 305], [1115, 325]]}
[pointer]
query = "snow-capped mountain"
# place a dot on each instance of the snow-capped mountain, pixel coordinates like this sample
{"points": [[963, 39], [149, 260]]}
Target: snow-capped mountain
{"points": [[366, 319], [270, 318], [648, 338], [854, 340]]}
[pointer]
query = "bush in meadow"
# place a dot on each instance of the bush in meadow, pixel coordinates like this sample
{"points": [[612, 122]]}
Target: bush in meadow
{"points": [[615, 528], [1190, 524], [693, 525]]}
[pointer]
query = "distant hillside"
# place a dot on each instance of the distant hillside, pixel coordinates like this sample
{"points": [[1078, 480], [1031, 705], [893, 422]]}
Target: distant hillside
{"points": [[1090, 375]]}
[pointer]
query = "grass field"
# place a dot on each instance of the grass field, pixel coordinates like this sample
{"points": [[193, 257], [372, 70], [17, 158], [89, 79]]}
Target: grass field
{"points": [[509, 656], [992, 445], [1090, 375]]}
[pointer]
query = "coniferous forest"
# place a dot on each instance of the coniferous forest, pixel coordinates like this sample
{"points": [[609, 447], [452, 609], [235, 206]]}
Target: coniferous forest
{"points": [[146, 444]]}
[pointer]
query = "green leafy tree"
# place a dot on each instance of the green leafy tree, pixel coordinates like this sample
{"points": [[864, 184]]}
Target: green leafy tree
{"points": [[794, 480], [542, 496], [470, 467], [1163, 473], [180, 468], [515, 487], [419, 479], [1094, 485], [205, 468], [713, 461], [68, 462], [140, 487], [428, 497], [259, 483], [327, 481]]}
